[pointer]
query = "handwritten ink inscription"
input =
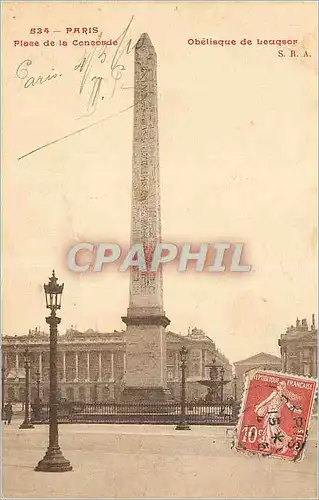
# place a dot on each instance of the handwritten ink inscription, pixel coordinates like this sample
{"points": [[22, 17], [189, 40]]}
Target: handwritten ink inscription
{"points": [[101, 67], [276, 415], [98, 73], [31, 80]]}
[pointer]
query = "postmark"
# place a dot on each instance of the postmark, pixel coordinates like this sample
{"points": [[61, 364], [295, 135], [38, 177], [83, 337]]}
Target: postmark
{"points": [[275, 414]]}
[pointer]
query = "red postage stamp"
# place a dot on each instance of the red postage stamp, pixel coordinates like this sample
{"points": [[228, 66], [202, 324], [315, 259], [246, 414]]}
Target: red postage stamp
{"points": [[275, 414]]}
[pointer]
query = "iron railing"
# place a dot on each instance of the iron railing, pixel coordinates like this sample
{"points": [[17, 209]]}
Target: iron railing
{"points": [[138, 413]]}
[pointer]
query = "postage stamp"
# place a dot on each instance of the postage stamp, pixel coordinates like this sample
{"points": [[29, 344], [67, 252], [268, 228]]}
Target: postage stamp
{"points": [[275, 414]]}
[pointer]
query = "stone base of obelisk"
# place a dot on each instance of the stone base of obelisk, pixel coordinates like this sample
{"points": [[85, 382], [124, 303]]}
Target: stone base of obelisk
{"points": [[145, 378]]}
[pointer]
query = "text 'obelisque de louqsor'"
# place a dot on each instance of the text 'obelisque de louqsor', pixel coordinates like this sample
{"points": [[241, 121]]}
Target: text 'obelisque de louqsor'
{"points": [[145, 377]]}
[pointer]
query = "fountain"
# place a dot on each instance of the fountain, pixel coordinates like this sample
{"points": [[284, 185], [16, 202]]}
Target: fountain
{"points": [[215, 384]]}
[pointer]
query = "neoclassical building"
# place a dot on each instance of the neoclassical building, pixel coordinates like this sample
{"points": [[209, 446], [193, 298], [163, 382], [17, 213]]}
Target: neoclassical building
{"points": [[91, 365], [262, 361], [298, 348]]}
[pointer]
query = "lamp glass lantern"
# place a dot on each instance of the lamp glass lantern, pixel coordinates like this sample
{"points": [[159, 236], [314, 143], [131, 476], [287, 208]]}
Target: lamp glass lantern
{"points": [[27, 361], [183, 354], [53, 293]]}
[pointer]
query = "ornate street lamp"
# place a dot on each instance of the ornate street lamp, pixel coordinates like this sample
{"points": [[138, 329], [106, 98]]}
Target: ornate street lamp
{"points": [[222, 373], [37, 379], [26, 424], [96, 390], [37, 401], [183, 425], [53, 460], [2, 389], [235, 387]]}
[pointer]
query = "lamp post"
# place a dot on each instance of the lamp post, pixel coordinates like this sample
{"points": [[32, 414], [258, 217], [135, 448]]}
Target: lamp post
{"points": [[222, 373], [37, 379], [53, 460], [183, 425], [235, 387], [26, 424], [96, 393], [2, 389], [37, 401]]}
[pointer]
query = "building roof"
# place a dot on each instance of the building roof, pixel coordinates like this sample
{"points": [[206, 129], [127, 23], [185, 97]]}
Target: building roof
{"points": [[298, 335], [260, 358], [194, 338]]}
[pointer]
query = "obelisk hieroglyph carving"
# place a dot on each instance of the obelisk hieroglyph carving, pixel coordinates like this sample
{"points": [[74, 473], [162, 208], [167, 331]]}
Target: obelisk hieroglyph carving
{"points": [[145, 377]]}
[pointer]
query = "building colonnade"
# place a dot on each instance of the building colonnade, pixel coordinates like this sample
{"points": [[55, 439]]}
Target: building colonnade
{"points": [[96, 374]]}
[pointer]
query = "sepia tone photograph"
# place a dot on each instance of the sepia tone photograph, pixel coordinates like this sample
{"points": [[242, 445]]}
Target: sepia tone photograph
{"points": [[159, 250]]}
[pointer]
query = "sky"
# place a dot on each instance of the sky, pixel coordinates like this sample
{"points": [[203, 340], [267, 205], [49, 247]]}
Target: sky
{"points": [[237, 163]]}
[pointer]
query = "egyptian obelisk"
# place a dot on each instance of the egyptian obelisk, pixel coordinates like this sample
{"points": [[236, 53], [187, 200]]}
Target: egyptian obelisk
{"points": [[145, 377]]}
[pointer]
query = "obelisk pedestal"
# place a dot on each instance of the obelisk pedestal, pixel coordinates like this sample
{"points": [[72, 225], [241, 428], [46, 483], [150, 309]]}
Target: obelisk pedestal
{"points": [[145, 378]]}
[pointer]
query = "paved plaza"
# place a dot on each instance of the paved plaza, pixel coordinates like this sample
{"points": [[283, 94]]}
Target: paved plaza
{"points": [[135, 461]]}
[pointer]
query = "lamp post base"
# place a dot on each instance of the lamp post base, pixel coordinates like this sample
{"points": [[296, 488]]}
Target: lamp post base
{"points": [[53, 461], [26, 425], [182, 427]]}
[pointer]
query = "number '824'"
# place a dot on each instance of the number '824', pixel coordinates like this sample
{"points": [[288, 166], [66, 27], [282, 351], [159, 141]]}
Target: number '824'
{"points": [[38, 31]]}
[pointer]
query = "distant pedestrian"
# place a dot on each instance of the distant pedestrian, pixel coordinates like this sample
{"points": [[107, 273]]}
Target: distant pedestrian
{"points": [[192, 403], [8, 412], [5, 414]]}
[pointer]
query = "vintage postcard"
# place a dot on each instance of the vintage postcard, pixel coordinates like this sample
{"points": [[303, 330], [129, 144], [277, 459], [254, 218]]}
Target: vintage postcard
{"points": [[159, 249]]}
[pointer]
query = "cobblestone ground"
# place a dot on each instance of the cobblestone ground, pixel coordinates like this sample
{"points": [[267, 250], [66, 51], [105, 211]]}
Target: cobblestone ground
{"points": [[114, 461]]}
